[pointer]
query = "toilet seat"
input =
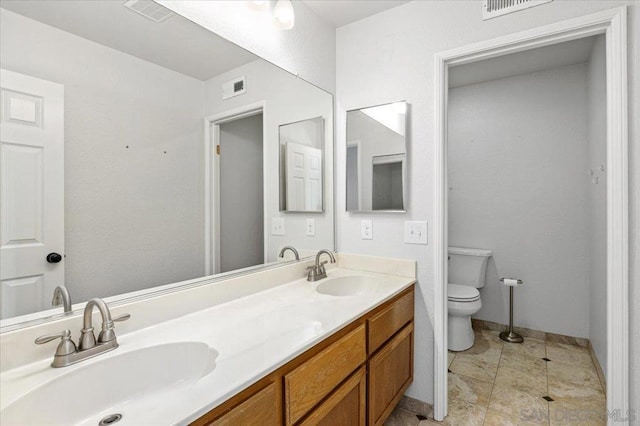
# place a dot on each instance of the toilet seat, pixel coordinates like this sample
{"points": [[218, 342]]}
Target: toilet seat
{"points": [[462, 293]]}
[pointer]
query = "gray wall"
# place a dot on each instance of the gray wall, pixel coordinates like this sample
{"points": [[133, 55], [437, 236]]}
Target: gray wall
{"points": [[597, 113], [241, 194], [518, 185], [390, 56], [118, 198]]}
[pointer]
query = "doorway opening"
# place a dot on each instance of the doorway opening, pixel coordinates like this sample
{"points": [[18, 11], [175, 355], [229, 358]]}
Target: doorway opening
{"points": [[611, 24], [235, 217]]}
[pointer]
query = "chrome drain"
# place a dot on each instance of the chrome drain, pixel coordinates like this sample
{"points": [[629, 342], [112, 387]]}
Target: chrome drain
{"points": [[110, 420]]}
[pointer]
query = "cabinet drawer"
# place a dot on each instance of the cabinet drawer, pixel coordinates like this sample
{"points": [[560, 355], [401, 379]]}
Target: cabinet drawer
{"points": [[385, 323], [346, 406], [312, 381], [390, 373], [260, 409]]}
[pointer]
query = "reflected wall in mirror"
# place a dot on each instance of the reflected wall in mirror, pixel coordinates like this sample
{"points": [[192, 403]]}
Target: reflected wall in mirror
{"points": [[106, 128], [301, 166], [376, 158]]}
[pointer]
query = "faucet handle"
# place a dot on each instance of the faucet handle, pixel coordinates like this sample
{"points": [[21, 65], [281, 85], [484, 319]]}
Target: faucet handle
{"points": [[120, 318], [65, 347]]}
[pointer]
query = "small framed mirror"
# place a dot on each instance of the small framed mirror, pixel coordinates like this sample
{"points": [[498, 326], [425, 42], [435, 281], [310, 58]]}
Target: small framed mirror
{"points": [[376, 158], [302, 166]]}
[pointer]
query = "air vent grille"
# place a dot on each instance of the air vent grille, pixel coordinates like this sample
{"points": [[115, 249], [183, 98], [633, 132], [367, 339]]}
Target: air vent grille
{"points": [[493, 8], [149, 9]]}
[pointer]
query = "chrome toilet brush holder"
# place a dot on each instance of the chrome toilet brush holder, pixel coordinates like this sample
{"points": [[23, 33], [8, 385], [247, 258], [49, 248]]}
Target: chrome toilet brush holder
{"points": [[509, 335]]}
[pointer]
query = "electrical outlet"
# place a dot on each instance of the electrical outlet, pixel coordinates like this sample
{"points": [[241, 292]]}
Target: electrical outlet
{"points": [[415, 232], [277, 226], [366, 229], [311, 228]]}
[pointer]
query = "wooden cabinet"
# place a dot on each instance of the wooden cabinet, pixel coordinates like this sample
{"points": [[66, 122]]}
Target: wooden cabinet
{"points": [[352, 378], [312, 381], [390, 374], [260, 409], [346, 406]]}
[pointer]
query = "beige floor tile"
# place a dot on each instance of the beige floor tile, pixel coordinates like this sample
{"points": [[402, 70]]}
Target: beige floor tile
{"points": [[474, 366], [462, 388], [514, 402], [560, 389], [464, 413], [531, 347], [496, 418], [487, 346], [569, 354], [450, 356], [559, 374], [534, 383], [523, 362], [578, 411], [400, 417]]}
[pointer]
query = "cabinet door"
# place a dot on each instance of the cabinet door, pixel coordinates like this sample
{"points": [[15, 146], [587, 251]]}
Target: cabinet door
{"points": [[261, 409], [387, 322], [345, 407], [308, 384], [390, 374]]}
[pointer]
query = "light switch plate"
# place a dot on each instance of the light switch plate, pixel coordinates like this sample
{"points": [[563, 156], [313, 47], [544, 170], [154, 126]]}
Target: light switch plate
{"points": [[415, 232], [277, 226], [366, 229], [310, 228]]}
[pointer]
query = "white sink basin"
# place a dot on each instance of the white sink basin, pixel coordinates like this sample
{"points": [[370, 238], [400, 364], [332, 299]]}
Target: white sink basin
{"points": [[120, 384], [348, 285]]}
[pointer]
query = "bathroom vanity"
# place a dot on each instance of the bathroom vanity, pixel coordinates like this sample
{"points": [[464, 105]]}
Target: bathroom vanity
{"points": [[357, 373], [264, 348]]}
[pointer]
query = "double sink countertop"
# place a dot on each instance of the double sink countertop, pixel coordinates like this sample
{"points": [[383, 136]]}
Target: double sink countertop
{"points": [[197, 361]]}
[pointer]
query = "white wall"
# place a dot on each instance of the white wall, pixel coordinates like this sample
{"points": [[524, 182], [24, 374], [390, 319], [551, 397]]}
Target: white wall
{"points": [[518, 185], [307, 50], [288, 99], [116, 198], [597, 114], [390, 56]]}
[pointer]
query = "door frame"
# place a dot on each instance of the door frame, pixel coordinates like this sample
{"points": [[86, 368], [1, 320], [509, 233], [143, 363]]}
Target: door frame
{"points": [[212, 125], [613, 24]]}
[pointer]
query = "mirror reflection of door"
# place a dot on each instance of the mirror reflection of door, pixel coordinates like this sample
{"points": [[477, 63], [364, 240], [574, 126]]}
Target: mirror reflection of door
{"points": [[304, 178], [353, 178], [241, 194], [387, 182], [32, 192]]}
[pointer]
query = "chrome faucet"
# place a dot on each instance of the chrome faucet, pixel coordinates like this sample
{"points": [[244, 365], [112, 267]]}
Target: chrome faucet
{"points": [[317, 271], [292, 249], [61, 296], [67, 353]]}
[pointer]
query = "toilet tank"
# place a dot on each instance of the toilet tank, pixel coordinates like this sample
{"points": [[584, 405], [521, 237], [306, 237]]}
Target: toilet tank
{"points": [[468, 266]]}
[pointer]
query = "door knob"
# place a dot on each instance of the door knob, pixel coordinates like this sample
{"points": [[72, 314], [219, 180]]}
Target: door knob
{"points": [[54, 258]]}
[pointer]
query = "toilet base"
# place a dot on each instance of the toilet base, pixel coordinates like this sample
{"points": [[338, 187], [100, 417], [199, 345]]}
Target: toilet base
{"points": [[460, 333]]}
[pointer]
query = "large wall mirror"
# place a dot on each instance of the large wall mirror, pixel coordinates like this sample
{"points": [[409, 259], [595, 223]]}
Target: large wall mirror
{"points": [[139, 153], [376, 158]]}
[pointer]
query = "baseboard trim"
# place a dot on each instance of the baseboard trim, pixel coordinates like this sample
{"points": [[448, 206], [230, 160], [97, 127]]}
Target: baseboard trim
{"points": [[594, 358], [533, 334]]}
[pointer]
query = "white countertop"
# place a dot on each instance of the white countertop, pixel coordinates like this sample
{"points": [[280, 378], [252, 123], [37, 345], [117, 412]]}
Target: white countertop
{"points": [[253, 336]]}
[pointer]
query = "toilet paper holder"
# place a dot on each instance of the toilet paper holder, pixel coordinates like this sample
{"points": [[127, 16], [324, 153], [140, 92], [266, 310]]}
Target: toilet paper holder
{"points": [[510, 335]]}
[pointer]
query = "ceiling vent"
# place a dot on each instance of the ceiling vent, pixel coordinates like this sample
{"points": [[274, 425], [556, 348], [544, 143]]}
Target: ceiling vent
{"points": [[493, 8], [149, 9]]}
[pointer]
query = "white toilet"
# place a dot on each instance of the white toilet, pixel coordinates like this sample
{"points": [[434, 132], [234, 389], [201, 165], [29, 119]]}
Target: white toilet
{"points": [[467, 271]]}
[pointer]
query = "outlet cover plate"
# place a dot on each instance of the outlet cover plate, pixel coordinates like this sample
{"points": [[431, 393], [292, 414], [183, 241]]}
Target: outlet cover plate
{"points": [[310, 228], [277, 226], [415, 232], [366, 229]]}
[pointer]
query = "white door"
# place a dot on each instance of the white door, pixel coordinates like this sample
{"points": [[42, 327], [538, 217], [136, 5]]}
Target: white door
{"points": [[31, 192], [304, 178]]}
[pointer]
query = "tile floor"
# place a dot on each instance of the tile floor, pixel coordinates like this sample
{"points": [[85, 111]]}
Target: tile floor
{"points": [[499, 383]]}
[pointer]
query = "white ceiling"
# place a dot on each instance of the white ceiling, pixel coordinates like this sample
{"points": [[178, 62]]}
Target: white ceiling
{"points": [[548, 57], [343, 12], [177, 43]]}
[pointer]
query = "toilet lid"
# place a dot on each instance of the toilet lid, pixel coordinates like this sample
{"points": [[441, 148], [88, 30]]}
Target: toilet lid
{"points": [[462, 293]]}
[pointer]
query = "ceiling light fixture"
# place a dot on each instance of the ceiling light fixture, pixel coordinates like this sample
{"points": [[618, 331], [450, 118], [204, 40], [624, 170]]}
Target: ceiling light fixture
{"points": [[283, 15]]}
